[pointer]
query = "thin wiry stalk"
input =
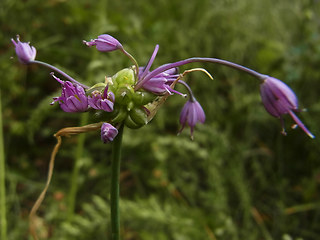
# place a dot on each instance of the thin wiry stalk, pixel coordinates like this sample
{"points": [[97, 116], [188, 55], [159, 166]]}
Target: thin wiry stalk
{"points": [[2, 183]]}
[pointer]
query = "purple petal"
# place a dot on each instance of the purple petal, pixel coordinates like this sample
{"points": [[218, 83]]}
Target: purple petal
{"points": [[145, 70], [107, 105], [301, 125], [24, 51], [108, 132]]}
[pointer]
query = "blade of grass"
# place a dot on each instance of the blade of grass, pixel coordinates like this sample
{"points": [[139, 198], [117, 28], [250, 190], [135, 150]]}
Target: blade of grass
{"points": [[2, 183]]}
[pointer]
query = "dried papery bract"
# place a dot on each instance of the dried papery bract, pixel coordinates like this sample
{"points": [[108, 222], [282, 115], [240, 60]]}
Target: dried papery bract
{"points": [[64, 132]]}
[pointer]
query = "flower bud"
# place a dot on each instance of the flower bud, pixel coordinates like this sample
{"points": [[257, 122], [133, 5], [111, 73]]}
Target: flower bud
{"points": [[24, 51], [104, 43], [108, 132], [191, 113], [278, 99]]}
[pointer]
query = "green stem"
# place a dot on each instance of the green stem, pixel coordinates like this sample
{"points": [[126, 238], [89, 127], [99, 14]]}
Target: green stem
{"points": [[2, 183], [115, 182], [75, 172], [133, 60]]}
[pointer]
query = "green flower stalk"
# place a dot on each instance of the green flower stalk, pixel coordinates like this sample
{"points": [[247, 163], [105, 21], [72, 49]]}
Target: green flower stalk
{"points": [[115, 185]]}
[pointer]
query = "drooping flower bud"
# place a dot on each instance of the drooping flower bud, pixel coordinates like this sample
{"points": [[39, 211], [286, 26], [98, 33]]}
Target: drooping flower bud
{"points": [[191, 113], [24, 51], [73, 97], [278, 99], [104, 43], [108, 132]]}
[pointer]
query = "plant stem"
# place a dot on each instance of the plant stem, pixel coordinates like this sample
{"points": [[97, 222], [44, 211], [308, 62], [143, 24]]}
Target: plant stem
{"points": [[60, 72], [2, 183], [75, 172], [133, 60], [198, 59], [115, 182]]}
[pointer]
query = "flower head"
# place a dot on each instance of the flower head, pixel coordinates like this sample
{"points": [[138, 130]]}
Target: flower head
{"points": [[73, 97], [104, 43], [191, 113], [160, 84], [108, 132], [24, 51], [103, 101], [278, 99]]}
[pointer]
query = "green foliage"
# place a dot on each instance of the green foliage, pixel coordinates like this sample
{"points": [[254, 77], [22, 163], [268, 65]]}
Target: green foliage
{"points": [[239, 178]]}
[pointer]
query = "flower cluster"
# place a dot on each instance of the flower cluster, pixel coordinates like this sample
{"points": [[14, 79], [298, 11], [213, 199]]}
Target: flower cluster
{"points": [[132, 95]]}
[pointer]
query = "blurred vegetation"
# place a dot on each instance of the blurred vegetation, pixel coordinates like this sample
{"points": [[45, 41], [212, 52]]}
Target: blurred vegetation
{"points": [[239, 179]]}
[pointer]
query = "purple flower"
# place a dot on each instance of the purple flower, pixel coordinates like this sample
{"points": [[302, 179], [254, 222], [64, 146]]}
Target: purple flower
{"points": [[24, 51], [105, 43], [108, 132], [279, 99], [73, 97], [160, 83], [191, 113], [102, 102]]}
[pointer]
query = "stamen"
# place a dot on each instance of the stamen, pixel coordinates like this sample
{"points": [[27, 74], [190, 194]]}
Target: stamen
{"points": [[56, 78]]}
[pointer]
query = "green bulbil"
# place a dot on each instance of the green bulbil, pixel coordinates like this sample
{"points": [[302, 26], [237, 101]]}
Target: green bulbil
{"points": [[120, 114], [141, 98], [125, 77], [123, 86], [138, 115], [130, 123], [129, 103], [123, 95], [133, 118]]}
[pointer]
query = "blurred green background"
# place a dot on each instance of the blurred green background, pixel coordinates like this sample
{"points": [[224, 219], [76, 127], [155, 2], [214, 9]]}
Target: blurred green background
{"points": [[239, 179]]}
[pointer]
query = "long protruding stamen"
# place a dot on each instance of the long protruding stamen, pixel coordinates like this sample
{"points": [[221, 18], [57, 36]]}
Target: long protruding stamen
{"points": [[198, 59], [60, 72]]}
